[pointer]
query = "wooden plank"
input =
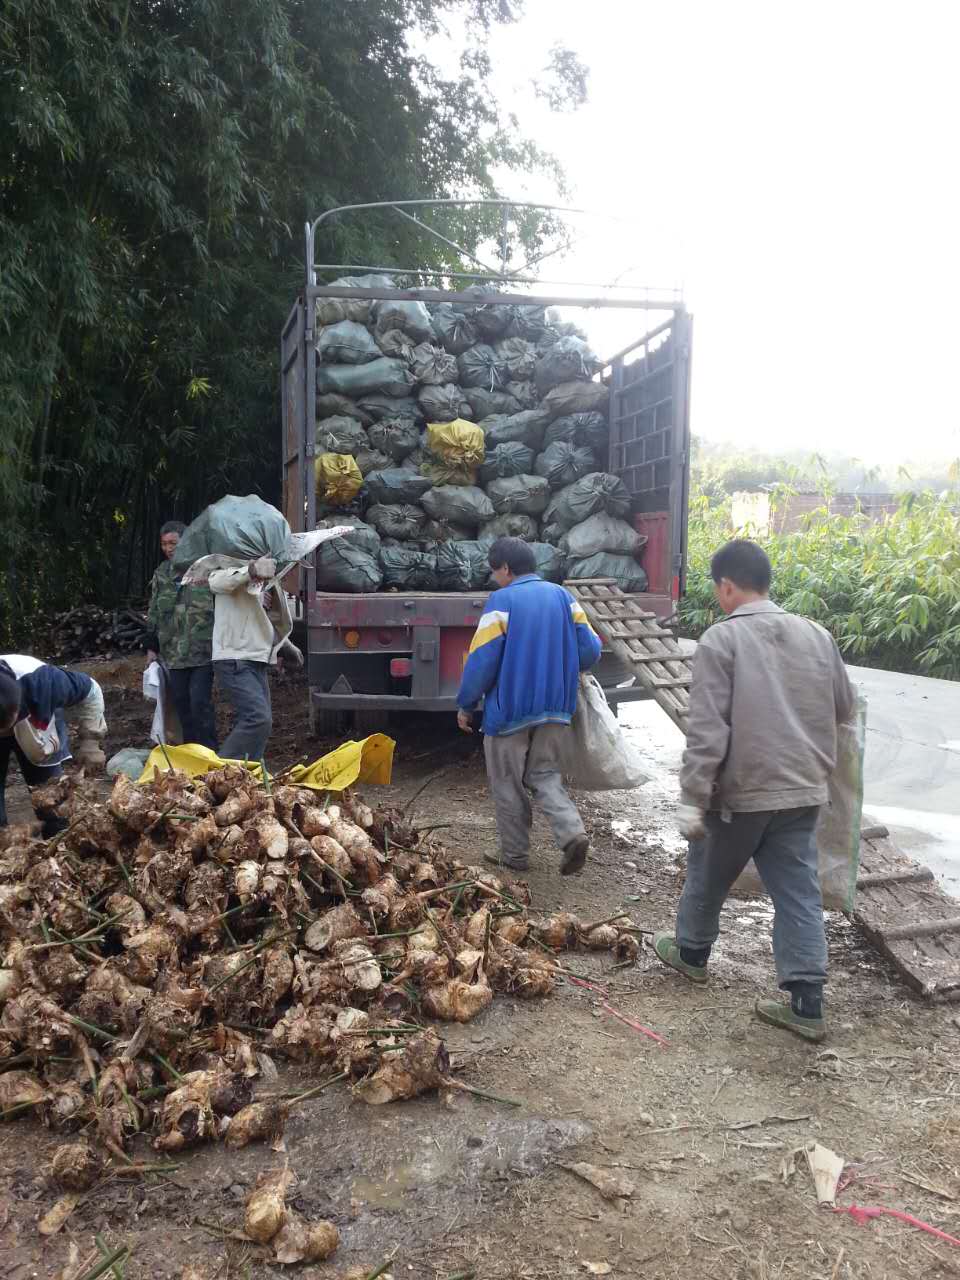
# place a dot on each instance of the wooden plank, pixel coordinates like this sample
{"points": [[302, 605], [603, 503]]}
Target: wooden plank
{"points": [[894, 877], [908, 918], [922, 929], [641, 641]]}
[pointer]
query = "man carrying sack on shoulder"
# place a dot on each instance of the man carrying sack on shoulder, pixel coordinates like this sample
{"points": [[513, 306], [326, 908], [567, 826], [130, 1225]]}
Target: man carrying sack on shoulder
{"points": [[246, 643]]}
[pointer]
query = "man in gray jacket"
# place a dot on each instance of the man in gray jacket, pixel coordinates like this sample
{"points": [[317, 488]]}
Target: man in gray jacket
{"points": [[769, 690]]}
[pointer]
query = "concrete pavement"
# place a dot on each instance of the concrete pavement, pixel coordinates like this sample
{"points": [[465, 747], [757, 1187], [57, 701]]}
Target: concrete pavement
{"points": [[911, 766]]}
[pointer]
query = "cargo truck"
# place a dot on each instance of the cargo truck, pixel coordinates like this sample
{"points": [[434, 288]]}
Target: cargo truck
{"points": [[369, 655]]}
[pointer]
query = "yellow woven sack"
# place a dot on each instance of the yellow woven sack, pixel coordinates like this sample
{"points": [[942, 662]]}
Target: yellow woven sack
{"points": [[458, 441], [441, 470], [338, 478]]}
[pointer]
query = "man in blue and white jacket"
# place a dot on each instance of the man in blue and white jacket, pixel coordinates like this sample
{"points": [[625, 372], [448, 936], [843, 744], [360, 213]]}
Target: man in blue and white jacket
{"points": [[525, 661]]}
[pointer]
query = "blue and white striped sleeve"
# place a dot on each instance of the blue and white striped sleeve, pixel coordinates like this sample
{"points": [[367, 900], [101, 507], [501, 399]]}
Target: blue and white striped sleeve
{"points": [[483, 662], [589, 645]]}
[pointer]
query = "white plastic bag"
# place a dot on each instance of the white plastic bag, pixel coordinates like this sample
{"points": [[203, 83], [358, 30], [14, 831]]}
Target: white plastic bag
{"points": [[838, 830], [596, 756], [154, 690]]}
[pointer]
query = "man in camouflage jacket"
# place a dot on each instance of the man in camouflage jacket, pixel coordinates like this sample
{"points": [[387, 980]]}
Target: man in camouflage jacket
{"points": [[180, 635]]}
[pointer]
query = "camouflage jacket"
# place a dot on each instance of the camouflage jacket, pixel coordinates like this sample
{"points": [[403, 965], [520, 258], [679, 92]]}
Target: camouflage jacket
{"points": [[180, 620]]}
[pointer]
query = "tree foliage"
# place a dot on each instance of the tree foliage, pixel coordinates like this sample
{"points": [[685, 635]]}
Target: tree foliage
{"points": [[159, 159], [888, 591]]}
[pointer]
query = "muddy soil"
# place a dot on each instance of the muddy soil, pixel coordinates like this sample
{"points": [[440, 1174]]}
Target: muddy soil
{"points": [[701, 1126]]}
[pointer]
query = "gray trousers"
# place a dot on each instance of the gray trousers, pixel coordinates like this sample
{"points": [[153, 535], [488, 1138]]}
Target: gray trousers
{"points": [[247, 686], [784, 849], [522, 762]]}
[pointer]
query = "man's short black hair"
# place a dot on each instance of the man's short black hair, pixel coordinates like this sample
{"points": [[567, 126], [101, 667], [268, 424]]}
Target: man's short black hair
{"points": [[513, 553], [9, 696], [172, 526], [744, 563]]}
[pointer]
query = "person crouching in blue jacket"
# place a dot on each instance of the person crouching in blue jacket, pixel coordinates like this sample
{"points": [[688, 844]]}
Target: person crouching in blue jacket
{"points": [[525, 661]]}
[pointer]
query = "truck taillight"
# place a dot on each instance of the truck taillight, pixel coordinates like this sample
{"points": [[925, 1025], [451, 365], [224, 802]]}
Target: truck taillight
{"points": [[401, 667]]}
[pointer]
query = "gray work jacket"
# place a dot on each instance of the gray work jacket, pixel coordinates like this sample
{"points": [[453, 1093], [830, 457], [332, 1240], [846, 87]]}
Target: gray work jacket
{"points": [[769, 689]]}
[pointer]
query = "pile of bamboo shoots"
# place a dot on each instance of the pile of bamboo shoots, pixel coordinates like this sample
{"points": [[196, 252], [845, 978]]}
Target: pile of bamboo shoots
{"points": [[172, 936]]}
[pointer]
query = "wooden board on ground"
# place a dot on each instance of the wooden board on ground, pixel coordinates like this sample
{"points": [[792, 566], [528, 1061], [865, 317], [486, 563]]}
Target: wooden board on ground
{"points": [[908, 918], [641, 640]]}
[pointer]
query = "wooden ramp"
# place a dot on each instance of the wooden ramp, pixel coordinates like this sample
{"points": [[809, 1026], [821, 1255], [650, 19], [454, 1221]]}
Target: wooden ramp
{"points": [[907, 917], [639, 638]]}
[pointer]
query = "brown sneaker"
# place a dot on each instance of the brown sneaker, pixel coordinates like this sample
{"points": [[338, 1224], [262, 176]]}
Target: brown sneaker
{"points": [[574, 856]]}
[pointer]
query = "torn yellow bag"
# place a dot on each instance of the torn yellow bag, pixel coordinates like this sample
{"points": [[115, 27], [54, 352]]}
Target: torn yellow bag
{"points": [[370, 760], [460, 442], [338, 478]]}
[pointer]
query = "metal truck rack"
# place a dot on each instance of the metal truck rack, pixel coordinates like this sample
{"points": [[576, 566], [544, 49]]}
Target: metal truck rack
{"points": [[429, 632]]}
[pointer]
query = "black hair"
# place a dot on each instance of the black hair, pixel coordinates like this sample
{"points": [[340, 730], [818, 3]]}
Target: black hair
{"points": [[744, 563], [513, 553], [9, 695], [172, 526]]}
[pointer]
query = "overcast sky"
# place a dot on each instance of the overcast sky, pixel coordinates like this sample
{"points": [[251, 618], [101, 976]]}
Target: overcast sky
{"points": [[794, 168]]}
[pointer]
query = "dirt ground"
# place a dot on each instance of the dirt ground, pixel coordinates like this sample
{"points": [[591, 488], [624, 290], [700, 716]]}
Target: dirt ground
{"points": [[701, 1126]]}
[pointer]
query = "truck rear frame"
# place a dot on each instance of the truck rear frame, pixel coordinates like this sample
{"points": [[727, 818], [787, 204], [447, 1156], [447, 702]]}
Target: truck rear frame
{"points": [[368, 655]]}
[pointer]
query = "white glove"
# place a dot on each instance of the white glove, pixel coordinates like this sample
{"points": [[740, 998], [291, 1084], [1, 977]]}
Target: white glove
{"points": [[38, 745], [89, 754], [264, 569], [691, 822]]}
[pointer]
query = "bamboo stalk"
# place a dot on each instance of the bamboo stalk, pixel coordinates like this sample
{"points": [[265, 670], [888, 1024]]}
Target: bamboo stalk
{"points": [[378, 1271], [147, 1095], [77, 822], [21, 1106], [246, 964], [480, 1093], [91, 1027], [588, 928], [443, 941], [78, 946], [312, 1093], [405, 1029], [107, 1263], [445, 888], [158, 1057], [117, 1267]]}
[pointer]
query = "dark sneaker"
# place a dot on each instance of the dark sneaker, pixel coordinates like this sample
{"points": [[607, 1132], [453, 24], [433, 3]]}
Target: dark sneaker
{"points": [[665, 945], [777, 1014], [498, 860], [574, 856]]}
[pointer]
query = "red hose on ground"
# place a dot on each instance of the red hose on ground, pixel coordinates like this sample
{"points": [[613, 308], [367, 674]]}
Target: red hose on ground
{"points": [[863, 1213]]}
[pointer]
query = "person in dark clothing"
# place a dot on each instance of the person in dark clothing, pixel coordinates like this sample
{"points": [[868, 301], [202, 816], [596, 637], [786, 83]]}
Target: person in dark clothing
{"points": [[180, 636], [33, 696]]}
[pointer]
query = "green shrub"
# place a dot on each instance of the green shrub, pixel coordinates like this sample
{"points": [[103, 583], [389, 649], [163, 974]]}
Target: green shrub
{"points": [[889, 592]]}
